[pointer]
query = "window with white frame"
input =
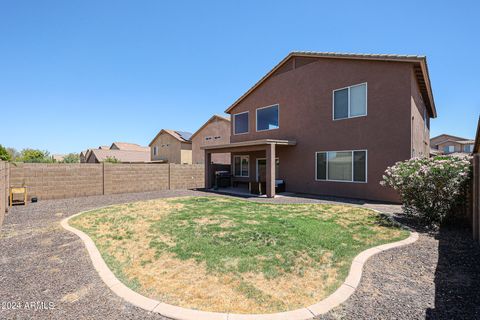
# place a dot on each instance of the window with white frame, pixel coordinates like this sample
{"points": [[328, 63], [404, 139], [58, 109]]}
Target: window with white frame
{"points": [[240, 123], [349, 166], [155, 150], [449, 149], [241, 166], [350, 102], [267, 118], [468, 148]]}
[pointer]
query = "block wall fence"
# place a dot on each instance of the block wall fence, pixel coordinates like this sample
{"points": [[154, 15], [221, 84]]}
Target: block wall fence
{"points": [[59, 181], [3, 189]]}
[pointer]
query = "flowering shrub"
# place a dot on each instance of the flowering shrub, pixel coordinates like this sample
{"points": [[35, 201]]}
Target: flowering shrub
{"points": [[430, 187]]}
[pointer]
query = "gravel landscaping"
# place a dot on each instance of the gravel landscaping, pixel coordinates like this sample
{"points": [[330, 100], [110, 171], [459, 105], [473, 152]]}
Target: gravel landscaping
{"points": [[438, 277]]}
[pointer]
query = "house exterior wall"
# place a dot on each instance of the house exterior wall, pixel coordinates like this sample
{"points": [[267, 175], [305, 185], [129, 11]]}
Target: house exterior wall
{"points": [[457, 146], [216, 128], [168, 149], [305, 97], [420, 129], [186, 153]]}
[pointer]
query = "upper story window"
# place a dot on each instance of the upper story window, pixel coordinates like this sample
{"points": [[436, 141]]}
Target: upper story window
{"points": [[267, 118], [350, 102], [425, 125], [240, 123]]}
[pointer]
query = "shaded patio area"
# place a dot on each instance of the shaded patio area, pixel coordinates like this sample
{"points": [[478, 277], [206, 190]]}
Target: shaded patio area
{"points": [[250, 173]]}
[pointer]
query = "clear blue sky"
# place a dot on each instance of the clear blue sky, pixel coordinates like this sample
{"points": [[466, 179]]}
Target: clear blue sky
{"points": [[79, 74]]}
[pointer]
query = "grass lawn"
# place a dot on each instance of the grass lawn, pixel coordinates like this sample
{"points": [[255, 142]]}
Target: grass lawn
{"points": [[229, 255]]}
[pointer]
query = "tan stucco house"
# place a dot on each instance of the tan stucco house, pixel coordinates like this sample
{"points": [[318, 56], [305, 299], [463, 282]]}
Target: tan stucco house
{"points": [[171, 146], [124, 152], [446, 144], [213, 132]]}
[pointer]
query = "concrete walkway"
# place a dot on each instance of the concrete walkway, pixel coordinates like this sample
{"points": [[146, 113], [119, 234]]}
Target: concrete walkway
{"points": [[46, 273]]}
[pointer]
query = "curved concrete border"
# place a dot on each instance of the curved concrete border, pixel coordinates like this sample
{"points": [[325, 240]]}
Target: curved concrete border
{"points": [[339, 296]]}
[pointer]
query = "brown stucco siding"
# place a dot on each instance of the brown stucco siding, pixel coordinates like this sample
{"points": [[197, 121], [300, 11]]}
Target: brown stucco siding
{"points": [[305, 98], [216, 128], [420, 132]]}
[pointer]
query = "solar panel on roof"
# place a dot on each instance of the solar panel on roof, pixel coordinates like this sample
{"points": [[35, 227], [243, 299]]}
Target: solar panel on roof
{"points": [[185, 135]]}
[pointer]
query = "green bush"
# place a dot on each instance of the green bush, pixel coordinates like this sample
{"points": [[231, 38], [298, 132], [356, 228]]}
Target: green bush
{"points": [[71, 158], [430, 188], [35, 155], [111, 160], [4, 154]]}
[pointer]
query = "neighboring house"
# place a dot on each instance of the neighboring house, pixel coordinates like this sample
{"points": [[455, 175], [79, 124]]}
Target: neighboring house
{"points": [[213, 132], [447, 144], [124, 156], [58, 157], [128, 146], [122, 151], [171, 146], [330, 124]]}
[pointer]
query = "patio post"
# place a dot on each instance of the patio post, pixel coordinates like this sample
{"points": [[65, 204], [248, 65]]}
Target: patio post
{"points": [[270, 159], [208, 169]]}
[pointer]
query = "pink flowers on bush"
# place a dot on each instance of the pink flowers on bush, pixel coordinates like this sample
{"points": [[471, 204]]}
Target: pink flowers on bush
{"points": [[430, 187]]}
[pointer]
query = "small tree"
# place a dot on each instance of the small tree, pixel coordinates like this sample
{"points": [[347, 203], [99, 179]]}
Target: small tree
{"points": [[71, 158], [430, 187], [111, 160], [35, 155], [4, 155], [13, 153]]}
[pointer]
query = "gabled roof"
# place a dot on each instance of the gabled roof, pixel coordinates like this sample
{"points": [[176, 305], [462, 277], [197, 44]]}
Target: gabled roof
{"points": [[127, 146], [420, 65], [182, 136], [213, 118], [448, 137], [120, 155]]}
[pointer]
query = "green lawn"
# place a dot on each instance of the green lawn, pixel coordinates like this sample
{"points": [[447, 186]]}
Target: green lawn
{"points": [[230, 255]]}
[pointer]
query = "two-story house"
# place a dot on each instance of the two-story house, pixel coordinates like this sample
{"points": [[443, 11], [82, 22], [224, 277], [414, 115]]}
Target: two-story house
{"points": [[171, 146], [446, 144], [213, 132], [330, 124]]}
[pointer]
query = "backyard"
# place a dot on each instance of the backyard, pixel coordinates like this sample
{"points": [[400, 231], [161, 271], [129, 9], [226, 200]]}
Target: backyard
{"points": [[231, 255], [436, 277]]}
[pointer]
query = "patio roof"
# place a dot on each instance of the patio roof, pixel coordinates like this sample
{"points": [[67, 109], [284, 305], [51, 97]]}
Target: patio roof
{"points": [[251, 143]]}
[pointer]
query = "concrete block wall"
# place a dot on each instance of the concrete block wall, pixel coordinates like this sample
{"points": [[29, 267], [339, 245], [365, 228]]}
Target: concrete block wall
{"points": [[130, 178], [58, 180], [3, 189], [186, 176]]}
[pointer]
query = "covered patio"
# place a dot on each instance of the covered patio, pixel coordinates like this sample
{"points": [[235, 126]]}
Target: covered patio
{"points": [[268, 147]]}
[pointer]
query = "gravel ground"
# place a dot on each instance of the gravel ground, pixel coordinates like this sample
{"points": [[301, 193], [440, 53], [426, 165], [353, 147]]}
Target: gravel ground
{"points": [[438, 277]]}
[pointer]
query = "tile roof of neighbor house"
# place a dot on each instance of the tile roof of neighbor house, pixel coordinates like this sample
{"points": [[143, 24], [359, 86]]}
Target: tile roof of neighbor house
{"points": [[215, 116], [420, 62], [452, 138], [182, 136], [129, 146], [121, 155], [104, 147]]}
